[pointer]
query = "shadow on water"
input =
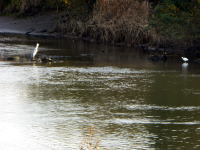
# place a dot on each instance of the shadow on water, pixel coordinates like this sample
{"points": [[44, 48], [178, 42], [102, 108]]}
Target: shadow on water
{"points": [[73, 52], [133, 102]]}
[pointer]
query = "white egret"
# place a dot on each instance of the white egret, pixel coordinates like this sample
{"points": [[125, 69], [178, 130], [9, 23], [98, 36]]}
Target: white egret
{"points": [[35, 51], [185, 59]]}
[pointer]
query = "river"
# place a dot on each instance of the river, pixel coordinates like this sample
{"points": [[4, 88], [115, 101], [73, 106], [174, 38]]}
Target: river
{"points": [[129, 101]]}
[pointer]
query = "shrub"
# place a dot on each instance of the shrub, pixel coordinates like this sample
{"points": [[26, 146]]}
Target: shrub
{"points": [[178, 20], [31, 6], [3, 4]]}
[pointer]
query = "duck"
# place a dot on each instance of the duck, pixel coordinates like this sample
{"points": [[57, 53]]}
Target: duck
{"points": [[45, 59]]}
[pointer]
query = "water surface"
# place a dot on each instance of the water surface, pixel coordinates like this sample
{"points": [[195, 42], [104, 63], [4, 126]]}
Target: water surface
{"points": [[131, 102]]}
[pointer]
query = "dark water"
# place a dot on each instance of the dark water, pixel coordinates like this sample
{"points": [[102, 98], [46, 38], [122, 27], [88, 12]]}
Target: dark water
{"points": [[131, 102]]}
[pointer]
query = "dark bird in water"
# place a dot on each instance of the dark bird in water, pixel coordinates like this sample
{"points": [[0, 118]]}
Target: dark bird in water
{"points": [[45, 58], [156, 58]]}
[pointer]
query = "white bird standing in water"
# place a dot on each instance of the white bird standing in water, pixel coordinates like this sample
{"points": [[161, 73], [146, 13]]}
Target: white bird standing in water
{"points": [[35, 51], [185, 59]]}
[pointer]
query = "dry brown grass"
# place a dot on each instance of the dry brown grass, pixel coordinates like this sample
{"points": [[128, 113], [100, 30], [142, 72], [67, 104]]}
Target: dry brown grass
{"points": [[119, 21], [113, 21]]}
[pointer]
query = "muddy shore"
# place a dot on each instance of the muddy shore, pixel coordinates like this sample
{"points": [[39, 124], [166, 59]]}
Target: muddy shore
{"points": [[40, 25]]}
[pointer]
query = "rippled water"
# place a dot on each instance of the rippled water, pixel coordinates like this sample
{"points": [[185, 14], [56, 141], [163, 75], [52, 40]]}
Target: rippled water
{"points": [[132, 103]]}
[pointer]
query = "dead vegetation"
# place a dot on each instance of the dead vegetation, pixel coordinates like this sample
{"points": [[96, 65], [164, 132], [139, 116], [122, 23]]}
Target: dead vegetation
{"points": [[112, 21], [123, 22], [119, 21]]}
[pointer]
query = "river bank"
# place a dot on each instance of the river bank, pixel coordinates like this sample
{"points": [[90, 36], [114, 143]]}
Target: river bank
{"points": [[157, 27], [47, 24], [39, 25]]}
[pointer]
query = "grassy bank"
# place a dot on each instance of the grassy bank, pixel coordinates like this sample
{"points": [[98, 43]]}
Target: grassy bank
{"points": [[166, 23], [113, 21], [125, 22]]}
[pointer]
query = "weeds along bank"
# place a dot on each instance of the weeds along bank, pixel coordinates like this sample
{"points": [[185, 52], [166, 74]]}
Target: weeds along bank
{"points": [[165, 23], [129, 22], [111, 21]]}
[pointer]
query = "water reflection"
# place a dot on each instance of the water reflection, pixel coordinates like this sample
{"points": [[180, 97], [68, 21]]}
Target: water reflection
{"points": [[184, 68], [133, 103]]}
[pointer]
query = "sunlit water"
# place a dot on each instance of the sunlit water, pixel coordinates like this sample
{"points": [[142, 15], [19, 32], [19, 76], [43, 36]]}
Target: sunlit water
{"points": [[131, 102]]}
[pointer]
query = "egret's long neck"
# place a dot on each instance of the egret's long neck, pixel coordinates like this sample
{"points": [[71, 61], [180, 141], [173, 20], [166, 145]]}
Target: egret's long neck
{"points": [[35, 50]]}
